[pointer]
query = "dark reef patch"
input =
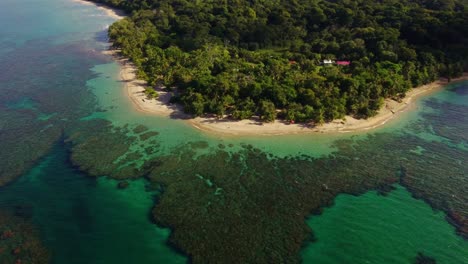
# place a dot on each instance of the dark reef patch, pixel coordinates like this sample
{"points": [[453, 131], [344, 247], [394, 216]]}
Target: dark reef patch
{"points": [[459, 89], [24, 140], [35, 110], [252, 207], [441, 122], [423, 259], [99, 150], [437, 174], [19, 241], [140, 129], [148, 135], [123, 185]]}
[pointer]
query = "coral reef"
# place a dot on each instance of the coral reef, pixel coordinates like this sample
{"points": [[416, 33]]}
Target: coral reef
{"points": [[251, 207], [437, 174], [35, 109], [423, 259], [100, 149], [19, 241], [123, 185], [24, 140]]}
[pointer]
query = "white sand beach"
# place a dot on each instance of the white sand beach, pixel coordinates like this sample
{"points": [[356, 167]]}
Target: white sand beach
{"points": [[391, 110], [135, 90], [160, 106]]}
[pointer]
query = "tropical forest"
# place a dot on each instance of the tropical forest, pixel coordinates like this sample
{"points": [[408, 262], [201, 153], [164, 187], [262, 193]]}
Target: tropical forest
{"points": [[244, 58]]}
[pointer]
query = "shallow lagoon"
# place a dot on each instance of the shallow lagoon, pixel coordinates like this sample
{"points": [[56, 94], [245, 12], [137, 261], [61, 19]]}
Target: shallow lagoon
{"points": [[382, 229]]}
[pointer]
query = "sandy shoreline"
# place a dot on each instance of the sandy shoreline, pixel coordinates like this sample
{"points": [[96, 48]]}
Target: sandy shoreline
{"points": [[161, 107], [391, 110], [135, 88], [111, 12]]}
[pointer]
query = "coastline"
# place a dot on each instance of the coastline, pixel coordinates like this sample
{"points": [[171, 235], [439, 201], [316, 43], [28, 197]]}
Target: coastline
{"points": [[111, 12], [134, 89], [390, 111], [250, 127]]}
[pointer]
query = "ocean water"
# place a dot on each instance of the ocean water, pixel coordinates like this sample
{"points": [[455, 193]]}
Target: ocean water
{"points": [[47, 53], [64, 116], [382, 229], [87, 220]]}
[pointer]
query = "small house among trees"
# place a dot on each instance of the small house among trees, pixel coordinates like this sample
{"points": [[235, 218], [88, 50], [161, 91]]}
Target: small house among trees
{"points": [[242, 61], [343, 63], [330, 62]]}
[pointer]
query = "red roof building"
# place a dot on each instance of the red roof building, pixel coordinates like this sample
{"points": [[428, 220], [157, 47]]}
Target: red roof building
{"points": [[344, 63]]}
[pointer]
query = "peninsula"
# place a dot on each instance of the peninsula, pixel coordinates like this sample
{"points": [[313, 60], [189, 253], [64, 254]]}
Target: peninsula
{"points": [[161, 106], [314, 65]]}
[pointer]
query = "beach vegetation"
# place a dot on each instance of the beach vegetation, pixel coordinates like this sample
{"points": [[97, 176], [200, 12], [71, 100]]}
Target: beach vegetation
{"points": [[220, 54], [267, 111], [151, 93]]}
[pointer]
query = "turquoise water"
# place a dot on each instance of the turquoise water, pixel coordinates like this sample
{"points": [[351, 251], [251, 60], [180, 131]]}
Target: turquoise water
{"points": [[56, 21], [382, 229], [84, 220], [55, 79], [81, 219]]}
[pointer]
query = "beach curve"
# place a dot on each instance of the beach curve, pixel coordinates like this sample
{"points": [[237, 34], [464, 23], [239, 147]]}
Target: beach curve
{"points": [[161, 106]]}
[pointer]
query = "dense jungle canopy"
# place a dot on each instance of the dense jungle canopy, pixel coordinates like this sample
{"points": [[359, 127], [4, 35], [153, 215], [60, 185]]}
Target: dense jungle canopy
{"points": [[247, 58]]}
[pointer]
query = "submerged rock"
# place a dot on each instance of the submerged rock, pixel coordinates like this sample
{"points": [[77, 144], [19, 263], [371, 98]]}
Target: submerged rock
{"points": [[423, 259], [139, 129], [123, 185], [20, 241]]}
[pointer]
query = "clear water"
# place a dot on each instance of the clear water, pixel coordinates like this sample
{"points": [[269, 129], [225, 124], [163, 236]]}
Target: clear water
{"points": [[81, 219], [51, 69], [84, 220], [382, 229]]}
